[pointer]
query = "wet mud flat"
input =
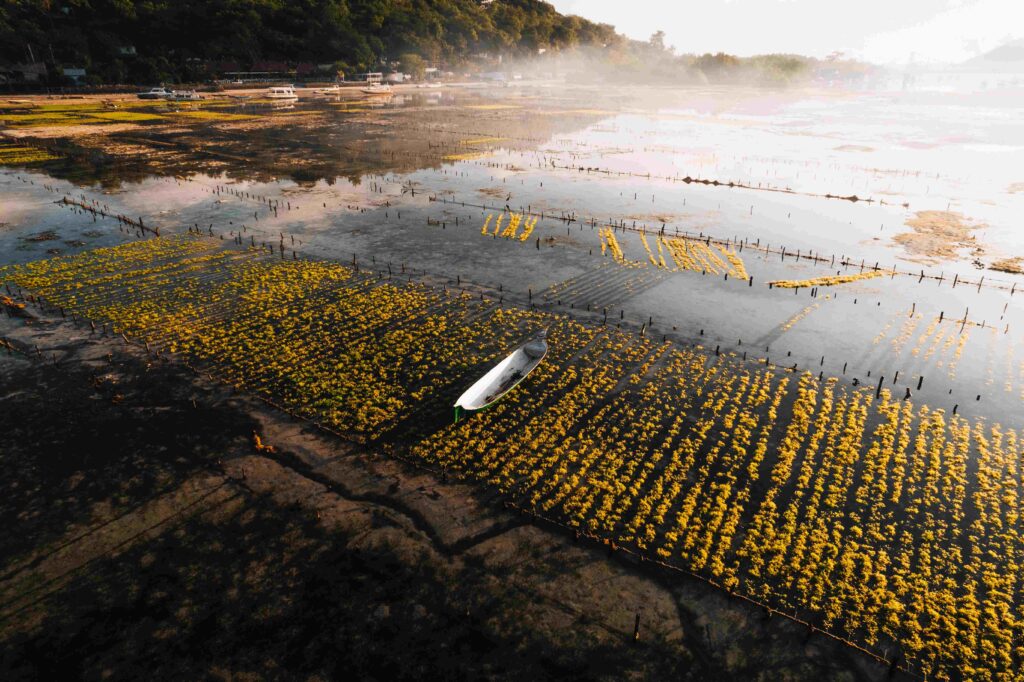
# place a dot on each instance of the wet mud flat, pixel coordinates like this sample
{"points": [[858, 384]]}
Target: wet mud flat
{"points": [[148, 533], [262, 140], [890, 348]]}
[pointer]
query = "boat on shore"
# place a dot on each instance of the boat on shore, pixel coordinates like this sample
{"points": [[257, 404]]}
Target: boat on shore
{"points": [[185, 96], [504, 376], [282, 92], [156, 93], [377, 89], [330, 90]]}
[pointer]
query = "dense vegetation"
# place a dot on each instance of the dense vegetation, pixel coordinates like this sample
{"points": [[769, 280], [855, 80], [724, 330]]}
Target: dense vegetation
{"points": [[175, 39], [149, 41]]}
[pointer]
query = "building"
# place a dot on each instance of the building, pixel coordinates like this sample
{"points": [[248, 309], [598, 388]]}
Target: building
{"points": [[33, 72], [75, 75]]}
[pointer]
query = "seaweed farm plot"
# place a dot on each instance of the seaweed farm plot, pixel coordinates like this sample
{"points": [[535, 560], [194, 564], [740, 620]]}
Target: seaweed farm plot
{"points": [[921, 342], [884, 523], [698, 256], [828, 281], [602, 287], [511, 229], [344, 349], [678, 254], [14, 155]]}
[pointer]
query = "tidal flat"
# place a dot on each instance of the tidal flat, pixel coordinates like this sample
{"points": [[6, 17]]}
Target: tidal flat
{"points": [[780, 416]]}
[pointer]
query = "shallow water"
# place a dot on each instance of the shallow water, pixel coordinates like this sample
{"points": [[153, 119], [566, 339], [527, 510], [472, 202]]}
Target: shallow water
{"points": [[385, 182]]}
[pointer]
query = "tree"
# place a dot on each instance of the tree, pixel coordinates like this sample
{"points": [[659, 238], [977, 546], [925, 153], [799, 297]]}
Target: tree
{"points": [[413, 64]]}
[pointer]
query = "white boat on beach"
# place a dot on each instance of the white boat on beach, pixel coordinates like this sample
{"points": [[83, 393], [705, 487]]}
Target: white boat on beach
{"points": [[185, 96], [330, 90], [504, 376], [282, 92], [156, 93], [377, 89]]}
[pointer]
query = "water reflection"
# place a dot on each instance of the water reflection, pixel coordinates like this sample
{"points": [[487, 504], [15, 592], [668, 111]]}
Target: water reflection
{"points": [[314, 139], [412, 178]]}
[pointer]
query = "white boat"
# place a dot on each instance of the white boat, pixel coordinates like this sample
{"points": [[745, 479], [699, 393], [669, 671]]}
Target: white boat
{"points": [[156, 93], [331, 90], [377, 89], [185, 96], [282, 92], [504, 376]]}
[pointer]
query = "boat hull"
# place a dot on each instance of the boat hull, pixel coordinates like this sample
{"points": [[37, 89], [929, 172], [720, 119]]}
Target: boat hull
{"points": [[501, 379]]}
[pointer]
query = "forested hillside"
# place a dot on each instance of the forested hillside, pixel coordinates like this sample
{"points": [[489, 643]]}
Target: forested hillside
{"points": [[149, 40]]}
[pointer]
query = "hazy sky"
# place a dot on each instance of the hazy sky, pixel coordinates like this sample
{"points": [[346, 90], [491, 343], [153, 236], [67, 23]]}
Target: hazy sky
{"points": [[875, 30]]}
